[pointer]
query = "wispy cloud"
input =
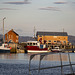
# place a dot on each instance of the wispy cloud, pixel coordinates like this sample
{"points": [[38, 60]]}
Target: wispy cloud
{"points": [[19, 30], [7, 9], [73, 2], [60, 2], [18, 2], [50, 8]]}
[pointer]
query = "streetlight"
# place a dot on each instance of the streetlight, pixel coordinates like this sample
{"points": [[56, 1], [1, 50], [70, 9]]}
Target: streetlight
{"points": [[3, 29]]}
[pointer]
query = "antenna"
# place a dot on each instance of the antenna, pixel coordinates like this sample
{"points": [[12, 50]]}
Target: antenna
{"points": [[63, 29], [25, 0], [34, 32]]}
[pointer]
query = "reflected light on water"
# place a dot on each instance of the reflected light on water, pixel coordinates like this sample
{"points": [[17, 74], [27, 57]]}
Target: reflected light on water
{"points": [[51, 57]]}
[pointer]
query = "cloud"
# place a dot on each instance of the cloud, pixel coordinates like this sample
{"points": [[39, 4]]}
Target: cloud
{"points": [[19, 30], [60, 2], [73, 2], [18, 2], [50, 8], [7, 9]]}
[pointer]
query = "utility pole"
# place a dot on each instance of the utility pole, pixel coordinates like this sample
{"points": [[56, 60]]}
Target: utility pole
{"points": [[3, 29], [34, 32], [63, 29]]}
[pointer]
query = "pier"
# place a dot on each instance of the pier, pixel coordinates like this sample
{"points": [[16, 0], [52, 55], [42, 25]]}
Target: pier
{"points": [[42, 55]]}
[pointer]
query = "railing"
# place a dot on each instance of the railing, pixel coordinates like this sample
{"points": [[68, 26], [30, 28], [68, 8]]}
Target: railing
{"points": [[42, 55]]}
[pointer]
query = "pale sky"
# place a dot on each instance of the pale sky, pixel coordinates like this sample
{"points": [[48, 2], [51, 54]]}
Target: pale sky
{"points": [[45, 15]]}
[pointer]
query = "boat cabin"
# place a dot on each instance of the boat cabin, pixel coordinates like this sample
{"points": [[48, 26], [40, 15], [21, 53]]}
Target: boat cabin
{"points": [[33, 43], [36, 43]]}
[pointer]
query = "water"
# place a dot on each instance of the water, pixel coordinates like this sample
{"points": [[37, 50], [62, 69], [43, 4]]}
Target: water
{"points": [[18, 64]]}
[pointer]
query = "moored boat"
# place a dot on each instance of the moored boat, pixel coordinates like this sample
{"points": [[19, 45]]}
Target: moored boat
{"points": [[35, 46], [56, 49], [5, 48]]}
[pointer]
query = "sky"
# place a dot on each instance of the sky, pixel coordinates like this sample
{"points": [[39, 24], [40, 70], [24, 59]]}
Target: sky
{"points": [[44, 15]]}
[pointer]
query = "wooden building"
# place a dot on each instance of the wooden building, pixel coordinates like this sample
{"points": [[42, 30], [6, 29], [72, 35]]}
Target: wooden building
{"points": [[52, 38], [12, 36]]}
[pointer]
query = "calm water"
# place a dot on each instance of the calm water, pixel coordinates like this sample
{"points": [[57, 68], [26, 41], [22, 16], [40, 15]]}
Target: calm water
{"points": [[18, 64]]}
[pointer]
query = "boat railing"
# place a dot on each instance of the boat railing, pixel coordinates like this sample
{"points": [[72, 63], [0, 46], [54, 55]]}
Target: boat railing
{"points": [[42, 55]]}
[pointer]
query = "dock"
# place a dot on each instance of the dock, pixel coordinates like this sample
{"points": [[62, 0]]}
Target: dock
{"points": [[42, 55]]}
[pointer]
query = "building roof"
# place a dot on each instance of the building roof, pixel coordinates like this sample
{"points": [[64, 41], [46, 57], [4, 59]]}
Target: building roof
{"points": [[52, 33], [13, 31]]}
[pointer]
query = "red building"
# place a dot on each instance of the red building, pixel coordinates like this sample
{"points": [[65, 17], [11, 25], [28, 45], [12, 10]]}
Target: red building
{"points": [[12, 36]]}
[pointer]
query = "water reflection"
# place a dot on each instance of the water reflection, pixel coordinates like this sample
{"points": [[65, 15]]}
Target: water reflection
{"points": [[51, 57], [20, 56]]}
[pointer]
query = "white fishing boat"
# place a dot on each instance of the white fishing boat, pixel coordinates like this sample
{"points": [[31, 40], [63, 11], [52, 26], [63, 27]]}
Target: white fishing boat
{"points": [[56, 49], [5, 48]]}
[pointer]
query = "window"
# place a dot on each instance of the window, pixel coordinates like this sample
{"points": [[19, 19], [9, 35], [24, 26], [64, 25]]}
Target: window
{"points": [[49, 43], [64, 41], [27, 43], [17, 37], [55, 36], [9, 36], [40, 35], [36, 43], [33, 43], [30, 43], [16, 40], [64, 38], [54, 41], [49, 40]]}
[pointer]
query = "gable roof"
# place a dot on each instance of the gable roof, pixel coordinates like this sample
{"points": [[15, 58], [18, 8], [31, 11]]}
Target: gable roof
{"points": [[52, 33], [13, 31]]}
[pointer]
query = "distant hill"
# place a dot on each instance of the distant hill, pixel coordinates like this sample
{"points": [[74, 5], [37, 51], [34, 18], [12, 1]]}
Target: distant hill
{"points": [[71, 39], [1, 36], [25, 39]]}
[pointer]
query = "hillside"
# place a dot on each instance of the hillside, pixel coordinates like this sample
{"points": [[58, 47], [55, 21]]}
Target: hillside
{"points": [[27, 38], [71, 39]]}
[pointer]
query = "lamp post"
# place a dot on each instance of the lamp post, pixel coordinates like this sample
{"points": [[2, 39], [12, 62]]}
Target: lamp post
{"points": [[3, 29]]}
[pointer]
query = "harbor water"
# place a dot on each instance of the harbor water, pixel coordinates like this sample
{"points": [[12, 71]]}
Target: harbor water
{"points": [[18, 64]]}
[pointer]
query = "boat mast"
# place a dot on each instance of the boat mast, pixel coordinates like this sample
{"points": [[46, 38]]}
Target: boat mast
{"points": [[34, 32], [3, 29]]}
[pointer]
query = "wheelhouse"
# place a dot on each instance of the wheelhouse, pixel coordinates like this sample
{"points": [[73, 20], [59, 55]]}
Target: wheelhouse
{"points": [[33, 43]]}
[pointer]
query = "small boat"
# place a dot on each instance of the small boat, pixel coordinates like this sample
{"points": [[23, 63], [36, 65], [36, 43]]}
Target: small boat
{"points": [[56, 49], [5, 48], [35, 46]]}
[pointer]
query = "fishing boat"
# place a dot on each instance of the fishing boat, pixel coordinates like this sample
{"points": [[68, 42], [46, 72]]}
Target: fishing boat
{"points": [[56, 49], [35, 46], [5, 48]]}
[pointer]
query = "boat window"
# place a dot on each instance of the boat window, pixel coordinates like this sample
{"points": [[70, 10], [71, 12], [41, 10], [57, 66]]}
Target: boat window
{"points": [[56, 48], [33, 43], [5, 45], [36, 43], [27, 43], [30, 43]]}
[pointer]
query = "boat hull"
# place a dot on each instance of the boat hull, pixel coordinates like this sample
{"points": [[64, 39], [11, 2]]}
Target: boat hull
{"points": [[56, 50], [36, 49], [4, 51]]}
